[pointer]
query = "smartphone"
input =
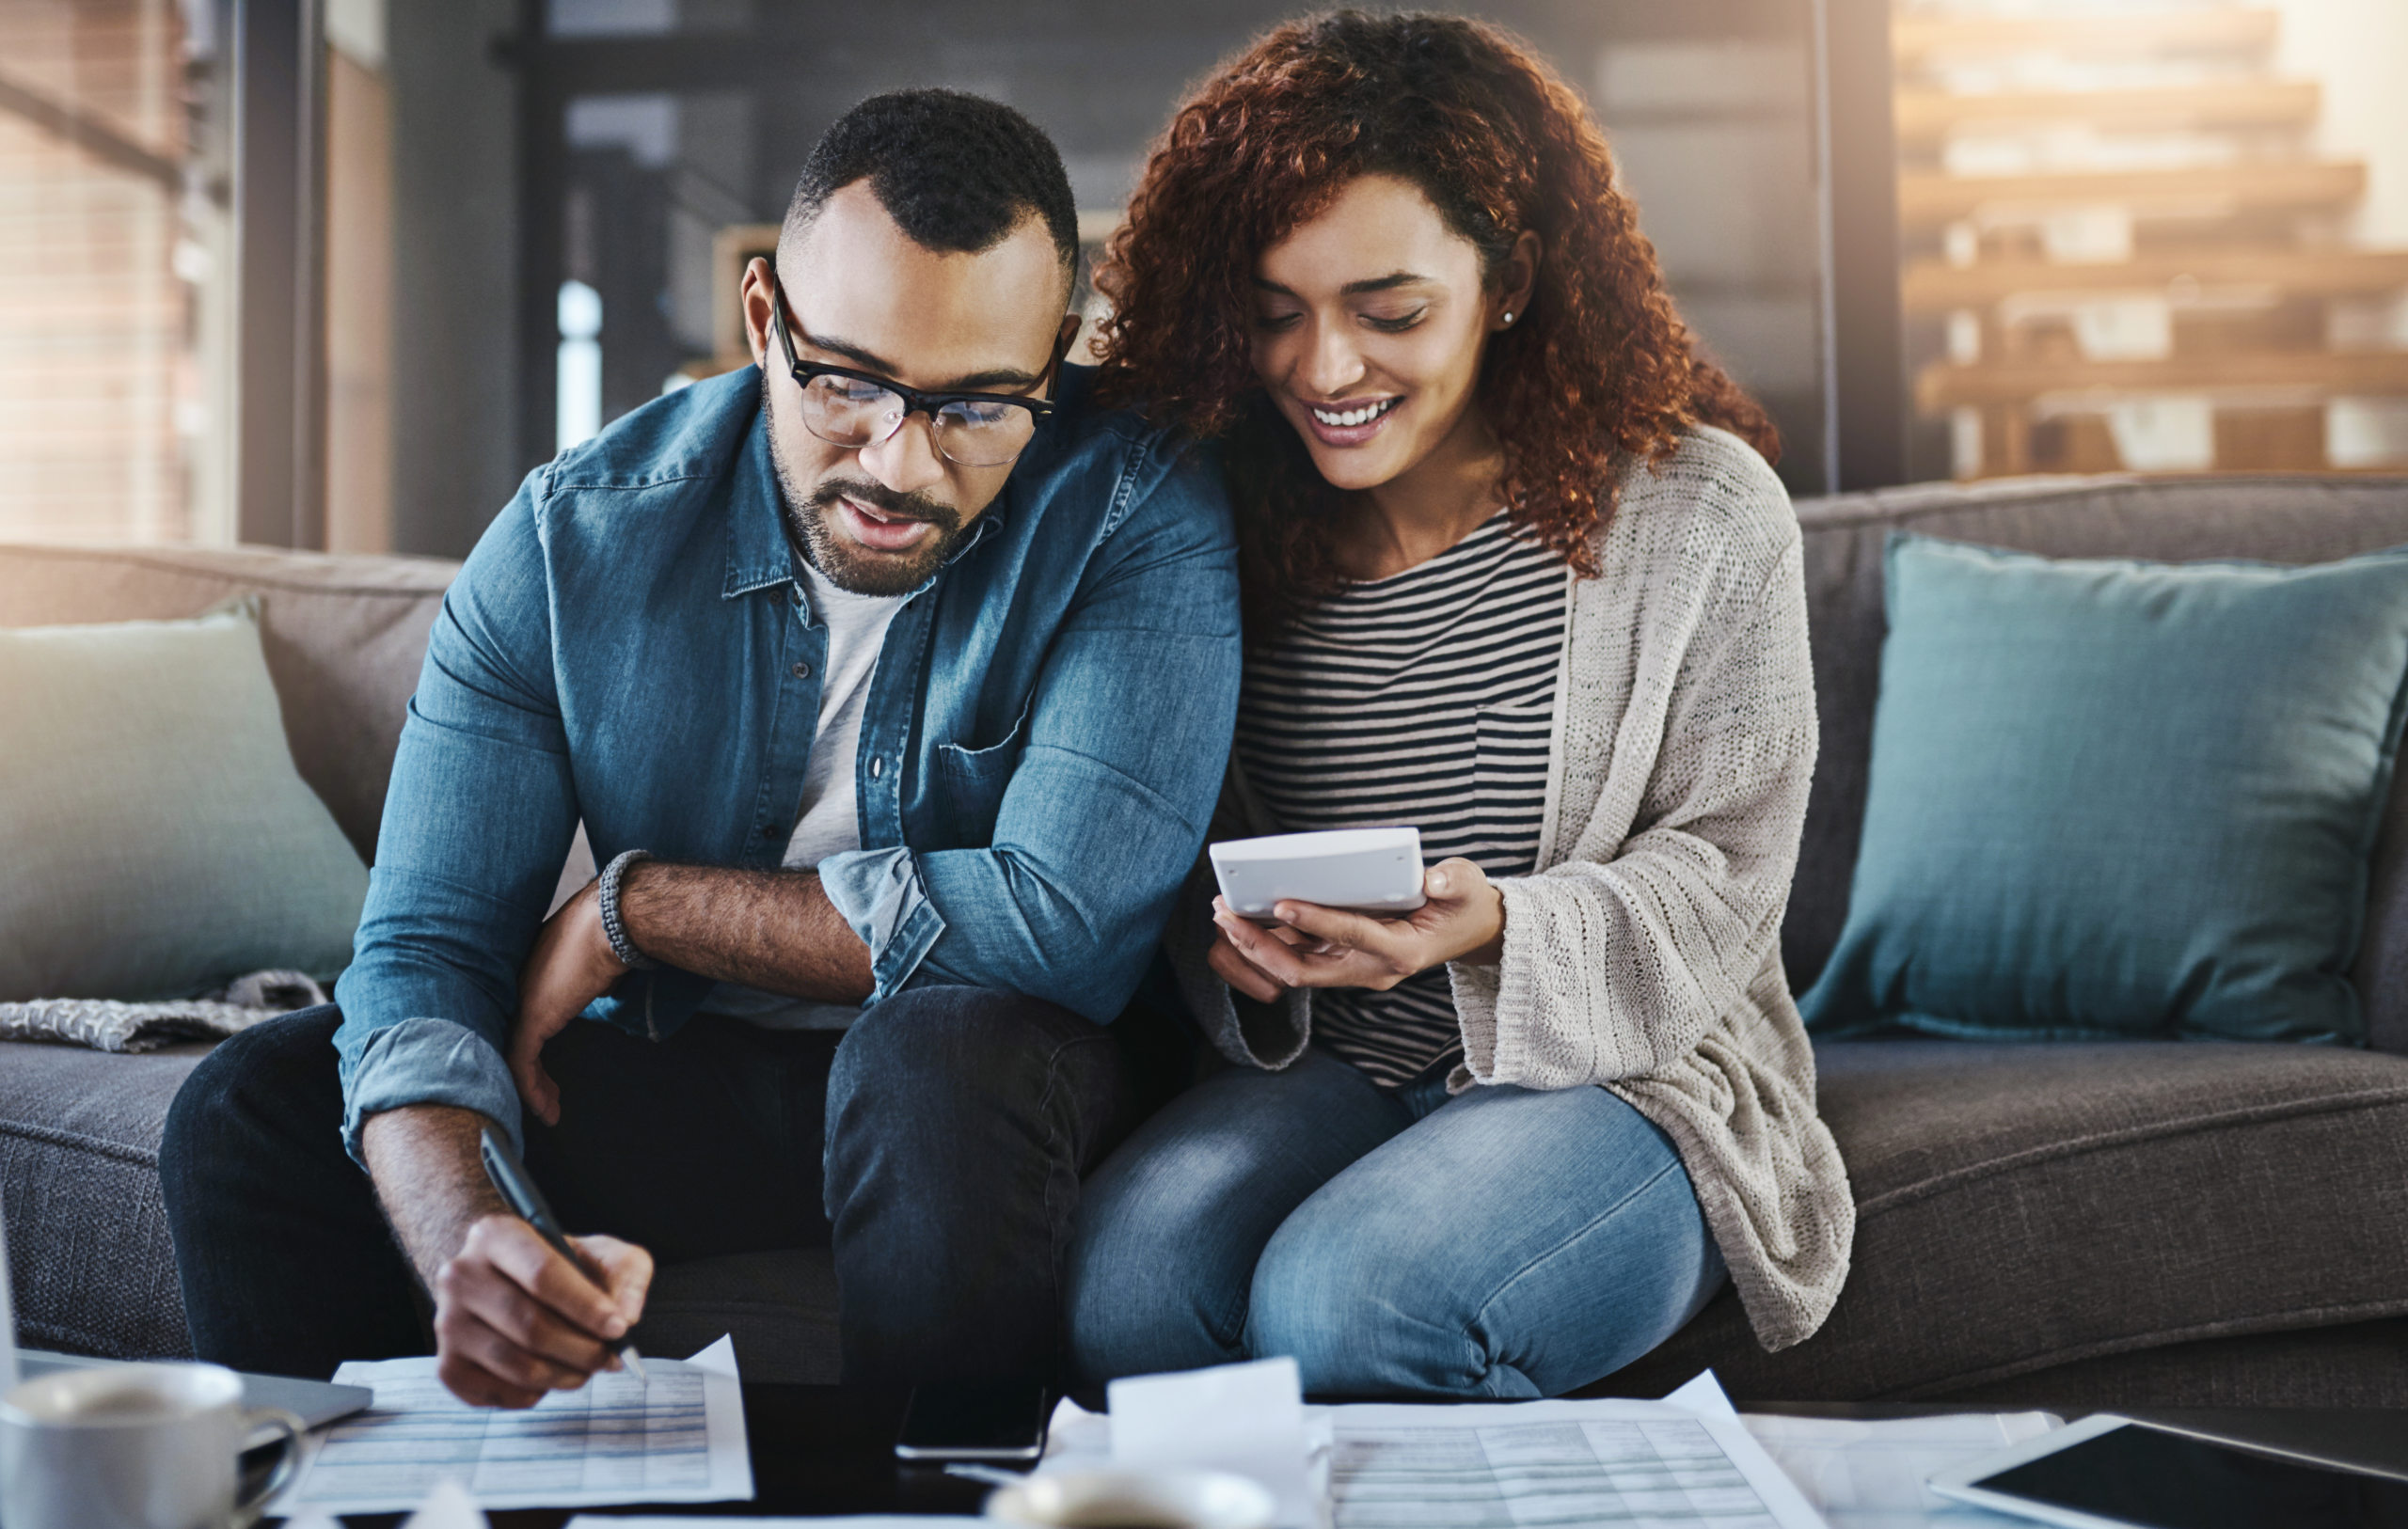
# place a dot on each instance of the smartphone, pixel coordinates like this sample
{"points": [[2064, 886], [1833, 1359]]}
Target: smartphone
{"points": [[993, 1421]]}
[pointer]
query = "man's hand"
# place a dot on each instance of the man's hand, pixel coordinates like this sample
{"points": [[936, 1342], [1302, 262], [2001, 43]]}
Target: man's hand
{"points": [[570, 967], [1463, 919], [513, 1319]]}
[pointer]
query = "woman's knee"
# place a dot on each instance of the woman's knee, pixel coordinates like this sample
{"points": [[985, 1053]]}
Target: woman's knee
{"points": [[1150, 1283], [1362, 1306], [1400, 1279], [1172, 1225], [1137, 1303]]}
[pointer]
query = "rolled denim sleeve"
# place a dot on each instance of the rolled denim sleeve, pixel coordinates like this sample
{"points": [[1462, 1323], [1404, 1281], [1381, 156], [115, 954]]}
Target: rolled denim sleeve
{"points": [[879, 893], [477, 823], [1127, 734], [429, 1062]]}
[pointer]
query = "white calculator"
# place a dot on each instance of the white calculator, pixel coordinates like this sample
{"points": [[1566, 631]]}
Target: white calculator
{"points": [[1374, 871]]}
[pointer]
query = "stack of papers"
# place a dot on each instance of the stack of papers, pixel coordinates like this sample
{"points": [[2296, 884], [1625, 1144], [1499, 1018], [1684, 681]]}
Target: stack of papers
{"points": [[1626, 1462], [677, 1437], [1683, 1462], [1869, 1475]]}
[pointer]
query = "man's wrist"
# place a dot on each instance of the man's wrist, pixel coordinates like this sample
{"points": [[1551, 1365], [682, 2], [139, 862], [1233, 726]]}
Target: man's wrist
{"points": [[614, 926], [423, 1164]]}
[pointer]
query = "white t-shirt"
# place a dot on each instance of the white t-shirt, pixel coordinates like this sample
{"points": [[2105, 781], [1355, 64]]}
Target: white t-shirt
{"points": [[830, 821]]}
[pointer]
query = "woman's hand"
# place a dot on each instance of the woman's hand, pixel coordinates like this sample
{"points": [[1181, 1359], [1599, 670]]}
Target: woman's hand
{"points": [[1463, 919]]}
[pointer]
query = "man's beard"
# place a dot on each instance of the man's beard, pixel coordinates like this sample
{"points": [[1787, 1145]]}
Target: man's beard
{"points": [[850, 566]]}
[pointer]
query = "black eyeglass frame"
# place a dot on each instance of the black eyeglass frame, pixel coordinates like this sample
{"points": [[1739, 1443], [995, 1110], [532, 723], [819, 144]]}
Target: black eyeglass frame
{"points": [[915, 400]]}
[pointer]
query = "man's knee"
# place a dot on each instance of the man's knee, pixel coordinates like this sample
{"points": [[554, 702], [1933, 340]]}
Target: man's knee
{"points": [[987, 1103], [253, 1088], [931, 1044], [945, 1031]]}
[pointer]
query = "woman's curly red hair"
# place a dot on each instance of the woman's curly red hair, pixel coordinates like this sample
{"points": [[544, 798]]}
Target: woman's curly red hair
{"points": [[1599, 372]]}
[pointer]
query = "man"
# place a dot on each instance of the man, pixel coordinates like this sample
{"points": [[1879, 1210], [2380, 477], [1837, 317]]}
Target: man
{"points": [[895, 710]]}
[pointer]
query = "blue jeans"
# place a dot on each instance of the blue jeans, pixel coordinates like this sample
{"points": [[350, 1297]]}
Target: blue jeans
{"points": [[1503, 1242]]}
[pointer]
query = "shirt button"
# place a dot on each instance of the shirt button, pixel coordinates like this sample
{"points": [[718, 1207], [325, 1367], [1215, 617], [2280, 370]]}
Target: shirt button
{"points": [[802, 671], [876, 768], [769, 830]]}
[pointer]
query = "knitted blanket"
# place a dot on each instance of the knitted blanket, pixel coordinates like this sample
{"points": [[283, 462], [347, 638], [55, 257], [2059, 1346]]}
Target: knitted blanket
{"points": [[107, 1025]]}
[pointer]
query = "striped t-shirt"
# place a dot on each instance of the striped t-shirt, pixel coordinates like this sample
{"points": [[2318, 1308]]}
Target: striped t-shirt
{"points": [[1426, 700]]}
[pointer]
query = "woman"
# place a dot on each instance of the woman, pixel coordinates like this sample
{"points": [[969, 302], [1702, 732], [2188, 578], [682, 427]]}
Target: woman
{"points": [[1505, 581]]}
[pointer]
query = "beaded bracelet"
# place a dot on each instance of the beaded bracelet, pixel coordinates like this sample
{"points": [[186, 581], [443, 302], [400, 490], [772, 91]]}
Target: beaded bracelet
{"points": [[613, 929]]}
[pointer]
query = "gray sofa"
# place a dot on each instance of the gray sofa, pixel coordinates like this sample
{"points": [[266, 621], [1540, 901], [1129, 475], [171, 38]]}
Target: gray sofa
{"points": [[2098, 1224]]}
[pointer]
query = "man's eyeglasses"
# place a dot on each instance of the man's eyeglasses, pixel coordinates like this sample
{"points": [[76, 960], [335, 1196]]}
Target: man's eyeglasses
{"points": [[853, 409]]}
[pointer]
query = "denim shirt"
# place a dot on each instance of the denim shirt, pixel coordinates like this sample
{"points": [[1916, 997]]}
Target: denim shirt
{"points": [[1040, 749]]}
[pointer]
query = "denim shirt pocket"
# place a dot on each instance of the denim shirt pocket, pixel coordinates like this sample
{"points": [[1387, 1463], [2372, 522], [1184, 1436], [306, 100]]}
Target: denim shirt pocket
{"points": [[974, 782]]}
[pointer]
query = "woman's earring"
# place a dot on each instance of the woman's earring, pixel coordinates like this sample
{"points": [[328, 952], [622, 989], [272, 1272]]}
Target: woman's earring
{"points": [[1509, 316]]}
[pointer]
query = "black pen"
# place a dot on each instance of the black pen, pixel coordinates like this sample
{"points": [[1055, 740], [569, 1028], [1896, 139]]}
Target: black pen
{"points": [[508, 1177]]}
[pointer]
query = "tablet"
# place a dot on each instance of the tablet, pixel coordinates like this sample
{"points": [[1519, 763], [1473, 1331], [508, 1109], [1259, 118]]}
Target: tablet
{"points": [[1374, 871], [2110, 1473]]}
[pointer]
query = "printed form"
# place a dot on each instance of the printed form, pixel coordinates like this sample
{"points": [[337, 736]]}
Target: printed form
{"points": [[676, 1438], [1525, 1465]]}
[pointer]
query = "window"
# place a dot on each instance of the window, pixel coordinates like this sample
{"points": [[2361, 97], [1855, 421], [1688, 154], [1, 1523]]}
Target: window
{"points": [[109, 241], [195, 345]]}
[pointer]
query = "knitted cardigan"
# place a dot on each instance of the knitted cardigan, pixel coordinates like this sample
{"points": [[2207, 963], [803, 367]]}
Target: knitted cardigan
{"points": [[1643, 955]]}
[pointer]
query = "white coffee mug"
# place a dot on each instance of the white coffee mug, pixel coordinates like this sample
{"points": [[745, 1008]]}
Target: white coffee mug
{"points": [[135, 1446], [1121, 1499]]}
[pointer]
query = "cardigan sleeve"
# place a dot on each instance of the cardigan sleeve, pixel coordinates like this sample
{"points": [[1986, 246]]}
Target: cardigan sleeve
{"points": [[1613, 968], [1246, 1032]]}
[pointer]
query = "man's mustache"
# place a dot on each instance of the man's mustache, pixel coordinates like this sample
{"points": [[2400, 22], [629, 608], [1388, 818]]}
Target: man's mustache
{"points": [[886, 501]]}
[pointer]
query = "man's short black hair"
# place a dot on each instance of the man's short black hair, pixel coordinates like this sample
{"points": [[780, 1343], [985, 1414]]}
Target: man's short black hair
{"points": [[956, 172]]}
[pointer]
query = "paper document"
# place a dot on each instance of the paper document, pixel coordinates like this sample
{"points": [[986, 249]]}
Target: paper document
{"points": [[1869, 1475], [1249, 1419], [676, 1438], [1640, 1464], [1649, 1465], [849, 1521]]}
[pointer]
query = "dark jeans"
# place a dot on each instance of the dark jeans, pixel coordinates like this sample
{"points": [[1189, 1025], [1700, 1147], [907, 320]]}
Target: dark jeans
{"points": [[936, 1147]]}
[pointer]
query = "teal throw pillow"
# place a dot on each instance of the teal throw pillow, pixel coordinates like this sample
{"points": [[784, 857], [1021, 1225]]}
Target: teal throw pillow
{"points": [[2114, 800], [155, 839]]}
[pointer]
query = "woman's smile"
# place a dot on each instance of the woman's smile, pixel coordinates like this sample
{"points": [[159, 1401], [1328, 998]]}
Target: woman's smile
{"points": [[1352, 423]]}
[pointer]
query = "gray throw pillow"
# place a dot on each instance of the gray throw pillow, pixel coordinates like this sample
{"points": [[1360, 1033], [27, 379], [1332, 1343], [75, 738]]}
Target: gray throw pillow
{"points": [[155, 840]]}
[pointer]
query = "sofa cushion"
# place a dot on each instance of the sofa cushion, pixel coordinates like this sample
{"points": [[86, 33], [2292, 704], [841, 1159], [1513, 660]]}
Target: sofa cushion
{"points": [[344, 638], [2021, 1207], [157, 840], [2115, 799], [2272, 519], [79, 1182]]}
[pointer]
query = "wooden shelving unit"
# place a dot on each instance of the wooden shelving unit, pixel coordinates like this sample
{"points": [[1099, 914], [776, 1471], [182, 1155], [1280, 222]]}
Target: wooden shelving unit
{"points": [[2123, 248], [1923, 32], [1927, 115], [1928, 199], [1935, 287]]}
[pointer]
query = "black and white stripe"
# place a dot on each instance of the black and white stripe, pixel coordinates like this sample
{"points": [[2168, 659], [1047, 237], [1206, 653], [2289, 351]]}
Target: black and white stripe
{"points": [[1426, 699]]}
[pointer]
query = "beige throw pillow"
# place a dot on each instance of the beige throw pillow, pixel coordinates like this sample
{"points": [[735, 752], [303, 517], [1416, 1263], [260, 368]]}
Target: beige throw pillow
{"points": [[155, 840]]}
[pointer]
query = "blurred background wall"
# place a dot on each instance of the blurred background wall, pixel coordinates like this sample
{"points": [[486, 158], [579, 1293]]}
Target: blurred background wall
{"points": [[340, 272]]}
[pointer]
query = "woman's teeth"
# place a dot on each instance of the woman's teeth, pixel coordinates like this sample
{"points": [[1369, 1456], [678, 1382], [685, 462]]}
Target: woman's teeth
{"points": [[1363, 416]]}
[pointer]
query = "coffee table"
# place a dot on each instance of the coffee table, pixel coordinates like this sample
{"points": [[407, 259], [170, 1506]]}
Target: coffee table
{"points": [[819, 1450]]}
